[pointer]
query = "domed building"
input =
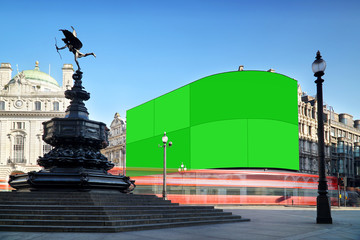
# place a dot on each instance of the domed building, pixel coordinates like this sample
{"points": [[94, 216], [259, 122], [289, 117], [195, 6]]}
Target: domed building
{"points": [[26, 100]]}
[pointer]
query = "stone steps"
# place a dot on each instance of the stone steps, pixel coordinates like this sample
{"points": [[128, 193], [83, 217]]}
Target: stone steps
{"points": [[87, 202], [96, 212], [103, 229], [108, 217], [100, 212], [59, 222], [104, 208]]}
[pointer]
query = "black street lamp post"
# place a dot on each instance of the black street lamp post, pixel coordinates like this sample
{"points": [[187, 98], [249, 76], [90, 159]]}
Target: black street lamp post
{"points": [[323, 203], [165, 140]]}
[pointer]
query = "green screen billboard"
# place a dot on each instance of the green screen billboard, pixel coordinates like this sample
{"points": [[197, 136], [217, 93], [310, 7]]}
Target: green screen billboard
{"points": [[242, 119]]}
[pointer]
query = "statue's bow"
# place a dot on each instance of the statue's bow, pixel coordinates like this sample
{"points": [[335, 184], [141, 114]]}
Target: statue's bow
{"points": [[57, 49]]}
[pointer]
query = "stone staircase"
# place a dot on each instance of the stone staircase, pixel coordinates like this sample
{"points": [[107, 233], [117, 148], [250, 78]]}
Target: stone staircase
{"points": [[100, 212]]}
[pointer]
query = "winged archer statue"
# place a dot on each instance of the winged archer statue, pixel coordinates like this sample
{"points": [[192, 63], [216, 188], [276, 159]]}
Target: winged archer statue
{"points": [[73, 44]]}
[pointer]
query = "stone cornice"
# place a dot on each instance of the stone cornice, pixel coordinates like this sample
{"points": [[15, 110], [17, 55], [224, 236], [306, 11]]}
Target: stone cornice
{"points": [[342, 126], [59, 94], [112, 148], [47, 114]]}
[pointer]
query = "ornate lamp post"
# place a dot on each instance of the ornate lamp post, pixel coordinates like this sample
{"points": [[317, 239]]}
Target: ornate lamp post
{"points": [[182, 169], [323, 203], [164, 140]]}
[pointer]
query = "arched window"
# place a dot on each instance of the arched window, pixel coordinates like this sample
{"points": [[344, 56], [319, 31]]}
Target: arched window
{"points": [[2, 105], [19, 149], [56, 106], [38, 105]]}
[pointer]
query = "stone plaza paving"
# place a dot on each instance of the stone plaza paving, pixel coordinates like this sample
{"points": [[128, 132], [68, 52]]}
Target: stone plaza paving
{"points": [[267, 222]]}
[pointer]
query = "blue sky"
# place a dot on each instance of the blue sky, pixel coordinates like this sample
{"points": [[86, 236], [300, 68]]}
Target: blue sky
{"points": [[147, 48]]}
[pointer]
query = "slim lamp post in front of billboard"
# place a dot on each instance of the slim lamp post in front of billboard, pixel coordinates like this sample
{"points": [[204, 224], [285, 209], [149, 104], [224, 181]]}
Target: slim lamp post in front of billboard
{"points": [[164, 140], [182, 169], [323, 203]]}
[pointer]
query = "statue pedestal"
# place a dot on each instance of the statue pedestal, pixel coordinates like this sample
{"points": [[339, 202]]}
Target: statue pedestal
{"points": [[71, 179]]}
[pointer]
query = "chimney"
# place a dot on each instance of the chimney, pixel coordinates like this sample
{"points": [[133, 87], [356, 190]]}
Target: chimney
{"points": [[357, 124], [68, 71], [5, 74]]}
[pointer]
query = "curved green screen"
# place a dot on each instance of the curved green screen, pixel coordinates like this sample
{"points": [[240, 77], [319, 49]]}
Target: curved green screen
{"points": [[242, 119]]}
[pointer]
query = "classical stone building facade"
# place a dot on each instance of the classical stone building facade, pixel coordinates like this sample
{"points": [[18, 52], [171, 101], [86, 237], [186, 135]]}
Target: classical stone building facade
{"points": [[342, 141], [26, 100], [116, 151]]}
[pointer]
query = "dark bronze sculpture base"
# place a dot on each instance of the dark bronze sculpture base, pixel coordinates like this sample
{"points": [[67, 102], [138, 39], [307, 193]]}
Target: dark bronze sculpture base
{"points": [[71, 179]]}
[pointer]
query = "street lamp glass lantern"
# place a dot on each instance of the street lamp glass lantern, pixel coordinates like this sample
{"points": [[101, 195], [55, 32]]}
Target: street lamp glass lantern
{"points": [[319, 64], [165, 138]]}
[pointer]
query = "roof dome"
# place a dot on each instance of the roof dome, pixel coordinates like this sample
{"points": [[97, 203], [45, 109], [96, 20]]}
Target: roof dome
{"points": [[38, 77]]}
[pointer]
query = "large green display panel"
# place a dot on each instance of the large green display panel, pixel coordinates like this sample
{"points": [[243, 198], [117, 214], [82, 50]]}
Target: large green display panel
{"points": [[243, 119]]}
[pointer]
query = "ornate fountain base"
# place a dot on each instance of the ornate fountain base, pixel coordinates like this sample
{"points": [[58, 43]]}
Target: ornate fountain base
{"points": [[75, 162]]}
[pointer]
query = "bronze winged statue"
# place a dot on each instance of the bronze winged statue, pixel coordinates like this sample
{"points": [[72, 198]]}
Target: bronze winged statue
{"points": [[73, 44]]}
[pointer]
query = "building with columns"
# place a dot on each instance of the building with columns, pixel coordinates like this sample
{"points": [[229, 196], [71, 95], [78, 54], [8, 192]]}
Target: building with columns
{"points": [[342, 141], [116, 151], [27, 99]]}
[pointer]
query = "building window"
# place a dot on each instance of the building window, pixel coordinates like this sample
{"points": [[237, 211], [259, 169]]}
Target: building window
{"points": [[2, 105], [117, 156], [310, 130], [56, 106], [333, 147], [19, 149], [18, 125], [346, 147], [46, 148], [307, 146], [332, 132], [341, 166], [340, 147], [357, 168], [37, 105]]}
